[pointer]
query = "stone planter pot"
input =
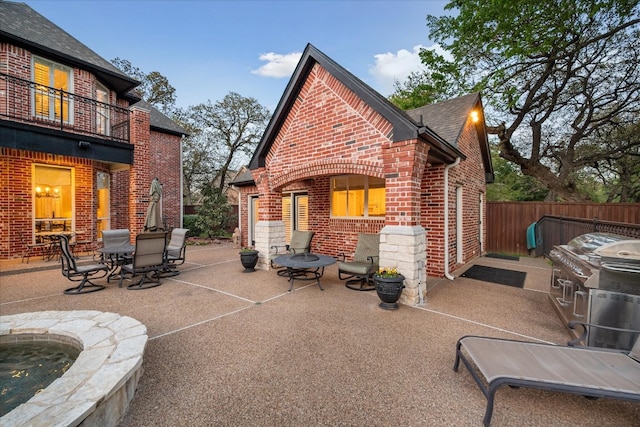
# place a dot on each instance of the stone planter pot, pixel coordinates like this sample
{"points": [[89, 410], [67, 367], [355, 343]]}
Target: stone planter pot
{"points": [[249, 259], [389, 290]]}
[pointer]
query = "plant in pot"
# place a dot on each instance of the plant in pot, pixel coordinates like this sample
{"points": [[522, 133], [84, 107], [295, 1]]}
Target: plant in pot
{"points": [[389, 285], [249, 259]]}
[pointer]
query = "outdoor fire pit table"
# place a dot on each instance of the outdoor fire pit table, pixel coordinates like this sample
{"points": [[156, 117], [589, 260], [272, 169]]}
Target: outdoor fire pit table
{"points": [[305, 266]]}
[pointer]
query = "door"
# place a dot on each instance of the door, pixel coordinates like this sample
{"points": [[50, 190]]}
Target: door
{"points": [[295, 213]]}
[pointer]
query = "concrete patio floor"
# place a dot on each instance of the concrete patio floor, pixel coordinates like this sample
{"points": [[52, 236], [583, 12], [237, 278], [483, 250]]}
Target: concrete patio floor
{"points": [[228, 348]]}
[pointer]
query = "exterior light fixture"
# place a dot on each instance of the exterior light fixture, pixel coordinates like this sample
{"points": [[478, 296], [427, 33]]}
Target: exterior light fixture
{"points": [[475, 116], [84, 144]]}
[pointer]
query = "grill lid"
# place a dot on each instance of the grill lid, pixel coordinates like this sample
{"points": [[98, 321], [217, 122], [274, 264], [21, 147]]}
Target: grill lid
{"points": [[621, 250], [586, 244]]}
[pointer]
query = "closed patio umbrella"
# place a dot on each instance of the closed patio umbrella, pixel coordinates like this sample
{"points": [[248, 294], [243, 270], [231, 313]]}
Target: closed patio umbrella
{"points": [[153, 222]]}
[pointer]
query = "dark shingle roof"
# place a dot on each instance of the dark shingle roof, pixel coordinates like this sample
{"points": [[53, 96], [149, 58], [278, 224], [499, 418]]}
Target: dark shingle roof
{"points": [[404, 127], [159, 121], [25, 27], [446, 118]]}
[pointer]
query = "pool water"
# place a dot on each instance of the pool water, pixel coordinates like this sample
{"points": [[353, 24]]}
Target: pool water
{"points": [[28, 367]]}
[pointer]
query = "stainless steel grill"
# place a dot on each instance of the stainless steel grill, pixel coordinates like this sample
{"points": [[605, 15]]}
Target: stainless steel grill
{"points": [[596, 279]]}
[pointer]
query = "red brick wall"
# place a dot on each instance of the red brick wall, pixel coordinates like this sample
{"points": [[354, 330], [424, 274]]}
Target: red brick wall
{"points": [[329, 131], [164, 163], [16, 204]]}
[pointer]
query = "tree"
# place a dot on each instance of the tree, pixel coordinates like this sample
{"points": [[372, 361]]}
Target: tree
{"points": [[154, 87], [228, 132], [555, 73]]}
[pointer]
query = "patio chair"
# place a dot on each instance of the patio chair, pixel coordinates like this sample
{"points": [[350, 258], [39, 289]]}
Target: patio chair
{"points": [[300, 243], [588, 371], [175, 252], [82, 273], [32, 249], [148, 257], [364, 264]]}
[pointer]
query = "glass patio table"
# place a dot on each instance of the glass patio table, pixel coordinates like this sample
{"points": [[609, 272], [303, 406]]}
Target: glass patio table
{"points": [[305, 266]]}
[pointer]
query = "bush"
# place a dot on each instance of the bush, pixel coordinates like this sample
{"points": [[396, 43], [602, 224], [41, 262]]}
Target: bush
{"points": [[190, 223]]}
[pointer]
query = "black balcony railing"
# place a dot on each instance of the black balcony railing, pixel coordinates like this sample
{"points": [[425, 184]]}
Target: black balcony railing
{"points": [[28, 102]]}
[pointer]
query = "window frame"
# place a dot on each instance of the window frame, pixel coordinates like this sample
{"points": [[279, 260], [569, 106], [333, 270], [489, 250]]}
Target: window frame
{"points": [[37, 90], [365, 202]]}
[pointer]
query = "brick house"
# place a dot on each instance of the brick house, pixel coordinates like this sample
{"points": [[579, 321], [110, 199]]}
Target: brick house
{"points": [[79, 148], [339, 159]]}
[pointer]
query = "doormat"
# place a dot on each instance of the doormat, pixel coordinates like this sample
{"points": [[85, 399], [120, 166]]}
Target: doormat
{"points": [[496, 275], [502, 256]]}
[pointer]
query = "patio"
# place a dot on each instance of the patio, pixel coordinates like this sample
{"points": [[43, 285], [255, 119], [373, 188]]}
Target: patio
{"points": [[231, 348]]}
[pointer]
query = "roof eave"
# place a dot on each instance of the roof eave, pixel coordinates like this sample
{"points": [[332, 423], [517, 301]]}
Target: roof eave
{"points": [[119, 83]]}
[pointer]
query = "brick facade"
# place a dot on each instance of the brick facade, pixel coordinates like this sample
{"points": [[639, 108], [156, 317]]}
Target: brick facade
{"points": [[155, 153], [329, 130]]}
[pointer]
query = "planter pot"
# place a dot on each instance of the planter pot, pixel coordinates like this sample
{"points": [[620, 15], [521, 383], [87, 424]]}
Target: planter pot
{"points": [[389, 290], [249, 259]]}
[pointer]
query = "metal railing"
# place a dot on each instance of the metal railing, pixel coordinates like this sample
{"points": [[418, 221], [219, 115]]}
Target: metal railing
{"points": [[28, 102], [557, 230]]}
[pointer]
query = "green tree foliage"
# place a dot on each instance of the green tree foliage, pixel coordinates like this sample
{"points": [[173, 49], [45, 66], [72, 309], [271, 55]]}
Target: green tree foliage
{"points": [[224, 136], [555, 75], [214, 215], [154, 87]]}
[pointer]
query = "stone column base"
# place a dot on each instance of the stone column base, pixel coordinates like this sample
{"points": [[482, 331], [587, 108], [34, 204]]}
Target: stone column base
{"points": [[268, 234], [405, 247]]}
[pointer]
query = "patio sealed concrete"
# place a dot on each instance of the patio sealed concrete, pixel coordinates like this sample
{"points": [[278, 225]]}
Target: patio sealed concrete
{"points": [[231, 348]]}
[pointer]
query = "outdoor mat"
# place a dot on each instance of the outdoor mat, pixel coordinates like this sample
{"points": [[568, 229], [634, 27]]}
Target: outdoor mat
{"points": [[496, 275], [502, 256]]}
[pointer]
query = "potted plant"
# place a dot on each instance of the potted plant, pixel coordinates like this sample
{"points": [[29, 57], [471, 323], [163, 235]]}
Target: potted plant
{"points": [[389, 285], [249, 259]]}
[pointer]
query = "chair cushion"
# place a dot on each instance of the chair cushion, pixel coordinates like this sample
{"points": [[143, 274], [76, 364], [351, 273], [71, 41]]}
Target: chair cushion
{"points": [[357, 267]]}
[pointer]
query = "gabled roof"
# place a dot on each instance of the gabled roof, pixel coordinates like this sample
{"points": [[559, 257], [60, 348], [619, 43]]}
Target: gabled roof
{"points": [[24, 27], [404, 127], [159, 121], [448, 119]]}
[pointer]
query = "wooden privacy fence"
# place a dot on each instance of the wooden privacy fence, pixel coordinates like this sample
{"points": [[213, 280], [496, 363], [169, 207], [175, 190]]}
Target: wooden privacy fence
{"points": [[507, 222]]}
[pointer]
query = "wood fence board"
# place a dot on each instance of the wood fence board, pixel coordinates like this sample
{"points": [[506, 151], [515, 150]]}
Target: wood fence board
{"points": [[507, 222]]}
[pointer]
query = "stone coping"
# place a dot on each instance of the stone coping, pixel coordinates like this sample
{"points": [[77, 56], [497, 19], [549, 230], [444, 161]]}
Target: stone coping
{"points": [[99, 385]]}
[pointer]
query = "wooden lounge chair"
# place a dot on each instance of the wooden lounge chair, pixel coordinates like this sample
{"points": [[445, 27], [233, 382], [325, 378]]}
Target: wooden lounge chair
{"points": [[588, 371], [82, 273], [148, 257], [364, 264]]}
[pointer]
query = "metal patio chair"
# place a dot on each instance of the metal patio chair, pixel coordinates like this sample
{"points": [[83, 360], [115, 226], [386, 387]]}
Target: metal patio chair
{"points": [[300, 243], [364, 264], [175, 252], [148, 257], [83, 273]]}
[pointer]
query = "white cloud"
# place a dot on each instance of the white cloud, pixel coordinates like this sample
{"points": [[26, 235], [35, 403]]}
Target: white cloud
{"points": [[278, 65], [390, 67]]}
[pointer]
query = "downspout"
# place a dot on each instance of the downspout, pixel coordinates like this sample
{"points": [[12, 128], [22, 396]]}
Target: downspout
{"points": [[446, 217]]}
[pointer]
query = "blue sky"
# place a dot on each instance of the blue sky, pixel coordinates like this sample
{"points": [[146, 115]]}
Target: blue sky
{"points": [[209, 48]]}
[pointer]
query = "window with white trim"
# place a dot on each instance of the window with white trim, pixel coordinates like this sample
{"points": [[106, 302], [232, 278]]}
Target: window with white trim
{"points": [[358, 196], [102, 110], [53, 83]]}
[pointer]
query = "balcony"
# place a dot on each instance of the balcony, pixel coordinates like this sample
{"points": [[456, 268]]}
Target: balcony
{"points": [[30, 103]]}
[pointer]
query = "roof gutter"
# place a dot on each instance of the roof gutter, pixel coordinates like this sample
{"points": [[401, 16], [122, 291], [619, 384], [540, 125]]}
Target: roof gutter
{"points": [[446, 217]]}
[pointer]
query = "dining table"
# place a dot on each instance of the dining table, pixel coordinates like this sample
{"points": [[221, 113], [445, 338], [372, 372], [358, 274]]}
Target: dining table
{"points": [[115, 257]]}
